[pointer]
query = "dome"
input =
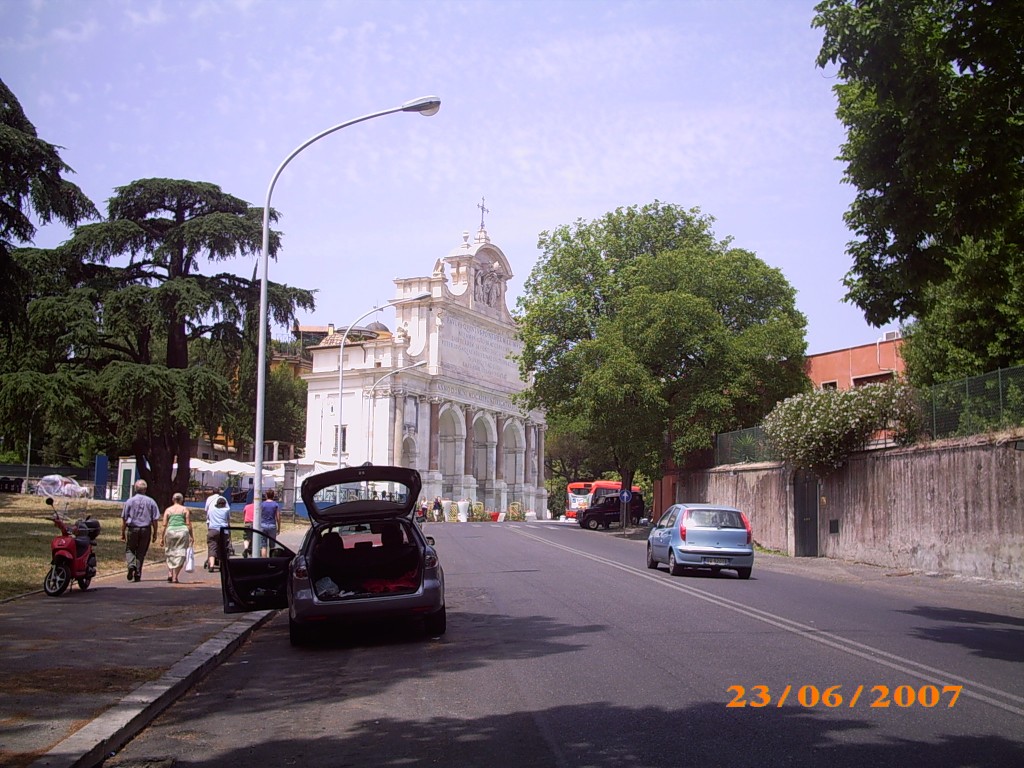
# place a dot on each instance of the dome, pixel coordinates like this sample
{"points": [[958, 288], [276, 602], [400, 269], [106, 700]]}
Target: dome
{"points": [[378, 326]]}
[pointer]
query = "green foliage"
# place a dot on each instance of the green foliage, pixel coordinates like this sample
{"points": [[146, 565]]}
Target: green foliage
{"points": [[113, 314], [819, 430], [31, 182], [931, 94], [285, 417], [954, 340], [971, 406], [645, 334]]}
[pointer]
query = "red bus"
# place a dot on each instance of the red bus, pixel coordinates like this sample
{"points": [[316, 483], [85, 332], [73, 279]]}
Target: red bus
{"points": [[576, 497], [601, 488]]}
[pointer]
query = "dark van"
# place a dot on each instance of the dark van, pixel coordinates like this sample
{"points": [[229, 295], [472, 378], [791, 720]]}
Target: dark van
{"points": [[606, 511]]}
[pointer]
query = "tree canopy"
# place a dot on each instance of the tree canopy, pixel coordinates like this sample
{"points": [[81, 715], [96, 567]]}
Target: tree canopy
{"points": [[648, 335], [113, 313], [931, 94], [31, 182]]}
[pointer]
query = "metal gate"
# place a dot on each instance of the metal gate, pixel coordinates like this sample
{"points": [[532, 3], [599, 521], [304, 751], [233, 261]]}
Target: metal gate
{"points": [[805, 508]]}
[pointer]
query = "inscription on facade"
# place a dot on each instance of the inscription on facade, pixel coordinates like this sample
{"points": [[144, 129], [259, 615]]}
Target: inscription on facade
{"points": [[481, 355]]}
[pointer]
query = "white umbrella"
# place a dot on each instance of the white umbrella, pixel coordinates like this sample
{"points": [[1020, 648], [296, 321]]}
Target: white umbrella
{"points": [[232, 467]]}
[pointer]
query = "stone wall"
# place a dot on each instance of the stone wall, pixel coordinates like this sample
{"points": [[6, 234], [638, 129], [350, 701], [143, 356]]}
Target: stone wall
{"points": [[950, 506]]}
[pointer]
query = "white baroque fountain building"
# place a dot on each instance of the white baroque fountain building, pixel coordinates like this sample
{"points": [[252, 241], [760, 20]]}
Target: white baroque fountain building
{"points": [[452, 417]]}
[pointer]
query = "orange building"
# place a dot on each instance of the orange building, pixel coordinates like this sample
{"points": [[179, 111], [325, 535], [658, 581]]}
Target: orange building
{"points": [[855, 366]]}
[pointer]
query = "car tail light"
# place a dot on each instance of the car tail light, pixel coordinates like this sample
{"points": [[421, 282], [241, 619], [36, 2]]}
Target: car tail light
{"points": [[682, 528], [430, 561], [300, 571], [750, 531]]}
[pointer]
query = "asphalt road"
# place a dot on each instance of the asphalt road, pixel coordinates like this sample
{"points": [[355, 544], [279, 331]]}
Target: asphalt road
{"points": [[563, 649]]}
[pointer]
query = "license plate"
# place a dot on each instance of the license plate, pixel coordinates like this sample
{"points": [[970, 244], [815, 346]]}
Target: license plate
{"points": [[716, 561]]}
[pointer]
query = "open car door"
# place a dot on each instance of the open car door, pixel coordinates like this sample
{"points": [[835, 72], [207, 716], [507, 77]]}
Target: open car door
{"points": [[254, 583]]}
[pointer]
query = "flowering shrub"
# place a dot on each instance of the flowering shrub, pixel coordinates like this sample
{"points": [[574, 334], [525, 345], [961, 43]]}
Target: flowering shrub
{"points": [[818, 430]]}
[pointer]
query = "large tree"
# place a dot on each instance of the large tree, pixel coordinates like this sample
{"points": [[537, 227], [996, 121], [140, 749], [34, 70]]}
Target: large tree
{"points": [[932, 97], [112, 314], [32, 184], [649, 335]]}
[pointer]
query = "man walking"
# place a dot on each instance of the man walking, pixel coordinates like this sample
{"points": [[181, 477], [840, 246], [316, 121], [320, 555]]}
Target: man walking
{"points": [[140, 521]]}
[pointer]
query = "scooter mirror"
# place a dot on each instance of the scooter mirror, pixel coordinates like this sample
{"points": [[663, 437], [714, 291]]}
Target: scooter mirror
{"points": [[49, 501]]}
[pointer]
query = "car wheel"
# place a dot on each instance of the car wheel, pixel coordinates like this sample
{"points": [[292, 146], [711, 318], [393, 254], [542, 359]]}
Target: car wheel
{"points": [[744, 573], [651, 562], [592, 523], [299, 634], [673, 567], [436, 623], [57, 579]]}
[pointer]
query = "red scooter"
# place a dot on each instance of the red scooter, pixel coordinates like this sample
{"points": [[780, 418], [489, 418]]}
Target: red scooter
{"points": [[72, 554]]}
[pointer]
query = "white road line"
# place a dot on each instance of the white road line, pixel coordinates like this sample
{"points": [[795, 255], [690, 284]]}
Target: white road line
{"points": [[852, 647]]}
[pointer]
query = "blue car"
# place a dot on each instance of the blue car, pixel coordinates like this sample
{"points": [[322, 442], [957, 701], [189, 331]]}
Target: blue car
{"points": [[702, 536]]}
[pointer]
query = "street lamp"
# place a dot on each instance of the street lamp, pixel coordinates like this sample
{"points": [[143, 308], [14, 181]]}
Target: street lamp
{"points": [[373, 405], [341, 355], [28, 454], [427, 106]]}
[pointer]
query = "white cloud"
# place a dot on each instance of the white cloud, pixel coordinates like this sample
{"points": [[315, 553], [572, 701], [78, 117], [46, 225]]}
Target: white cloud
{"points": [[76, 32], [150, 16]]}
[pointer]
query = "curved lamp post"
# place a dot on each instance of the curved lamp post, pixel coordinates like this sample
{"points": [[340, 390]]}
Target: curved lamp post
{"points": [[428, 105], [373, 405], [341, 356]]}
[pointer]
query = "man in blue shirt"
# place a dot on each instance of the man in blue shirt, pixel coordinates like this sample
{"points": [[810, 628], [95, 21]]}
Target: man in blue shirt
{"points": [[140, 521]]}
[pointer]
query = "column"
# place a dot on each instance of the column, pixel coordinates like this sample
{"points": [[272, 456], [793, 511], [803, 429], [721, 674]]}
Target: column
{"points": [[467, 466], [433, 459], [529, 472], [398, 427], [540, 456], [499, 449]]}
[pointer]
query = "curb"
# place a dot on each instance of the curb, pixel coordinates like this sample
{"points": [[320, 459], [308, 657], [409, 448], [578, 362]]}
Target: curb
{"points": [[94, 743]]}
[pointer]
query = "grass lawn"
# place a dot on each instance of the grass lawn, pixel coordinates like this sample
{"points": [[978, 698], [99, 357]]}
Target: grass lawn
{"points": [[26, 530]]}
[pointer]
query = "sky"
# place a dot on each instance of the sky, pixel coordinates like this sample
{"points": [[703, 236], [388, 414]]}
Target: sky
{"points": [[552, 111]]}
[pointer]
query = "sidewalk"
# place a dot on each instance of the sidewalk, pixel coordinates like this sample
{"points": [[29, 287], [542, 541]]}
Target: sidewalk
{"points": [[83, 673]]}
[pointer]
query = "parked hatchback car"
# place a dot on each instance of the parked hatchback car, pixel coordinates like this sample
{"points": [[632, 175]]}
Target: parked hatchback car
{"points": [[363, 558], [702, 536]]}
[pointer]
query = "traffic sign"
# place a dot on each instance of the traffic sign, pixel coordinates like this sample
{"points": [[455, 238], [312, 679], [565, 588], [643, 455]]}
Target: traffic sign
{"points": [[625, 496]]}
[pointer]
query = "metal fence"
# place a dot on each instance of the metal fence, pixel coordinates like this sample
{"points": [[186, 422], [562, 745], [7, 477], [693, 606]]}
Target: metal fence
{"points": [[743, 446], [973, 406]]}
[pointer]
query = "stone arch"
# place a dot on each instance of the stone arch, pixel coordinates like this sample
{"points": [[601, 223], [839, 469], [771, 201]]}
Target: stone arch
{"points": [[410, 454], [514, 449], [451, 435]]}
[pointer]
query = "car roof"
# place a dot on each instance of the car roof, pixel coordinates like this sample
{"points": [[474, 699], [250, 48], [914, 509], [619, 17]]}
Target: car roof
{"points": [[703, 505], [363, 493]]}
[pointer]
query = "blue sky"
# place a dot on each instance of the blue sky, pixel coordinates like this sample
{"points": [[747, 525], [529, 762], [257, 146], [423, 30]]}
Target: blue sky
{"points": [[553, 110]]}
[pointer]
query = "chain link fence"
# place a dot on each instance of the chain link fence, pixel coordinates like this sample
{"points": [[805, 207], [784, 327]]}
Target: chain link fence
{"points": [[986, 403]]}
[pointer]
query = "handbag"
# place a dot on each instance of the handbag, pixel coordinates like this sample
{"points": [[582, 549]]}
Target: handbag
{"points": [[190, 559]]}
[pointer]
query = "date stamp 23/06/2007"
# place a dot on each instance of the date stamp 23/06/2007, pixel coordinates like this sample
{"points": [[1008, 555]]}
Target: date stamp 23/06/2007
{"points": [[832, 697]]}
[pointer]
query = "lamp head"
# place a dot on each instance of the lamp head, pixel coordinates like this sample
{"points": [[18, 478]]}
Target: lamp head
{"points": [[426, 106], [407, 299]]}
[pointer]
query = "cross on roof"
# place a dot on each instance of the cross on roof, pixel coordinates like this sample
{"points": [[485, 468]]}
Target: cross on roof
{"points": [[483, 210]]}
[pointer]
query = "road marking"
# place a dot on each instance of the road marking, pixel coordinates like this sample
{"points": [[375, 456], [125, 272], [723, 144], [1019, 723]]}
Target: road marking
{"points": [[852, 647]]}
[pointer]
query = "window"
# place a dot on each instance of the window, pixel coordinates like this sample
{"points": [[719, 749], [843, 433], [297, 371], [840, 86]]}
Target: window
{"points": [[830, 385], [344, 440]]}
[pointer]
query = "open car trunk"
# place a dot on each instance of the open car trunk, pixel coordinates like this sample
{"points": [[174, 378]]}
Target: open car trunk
{"points": [[360, 561]]}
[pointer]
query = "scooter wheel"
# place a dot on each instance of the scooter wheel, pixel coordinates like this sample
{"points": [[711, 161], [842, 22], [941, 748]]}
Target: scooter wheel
{"points": [[83, 584], [57, 580]]}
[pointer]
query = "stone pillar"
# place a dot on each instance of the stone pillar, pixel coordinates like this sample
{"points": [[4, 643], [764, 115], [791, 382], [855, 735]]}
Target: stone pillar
{"points": [[434, 455], [530, 463], [540, 456], [499, 449], [398, 428], [467, 464]]}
